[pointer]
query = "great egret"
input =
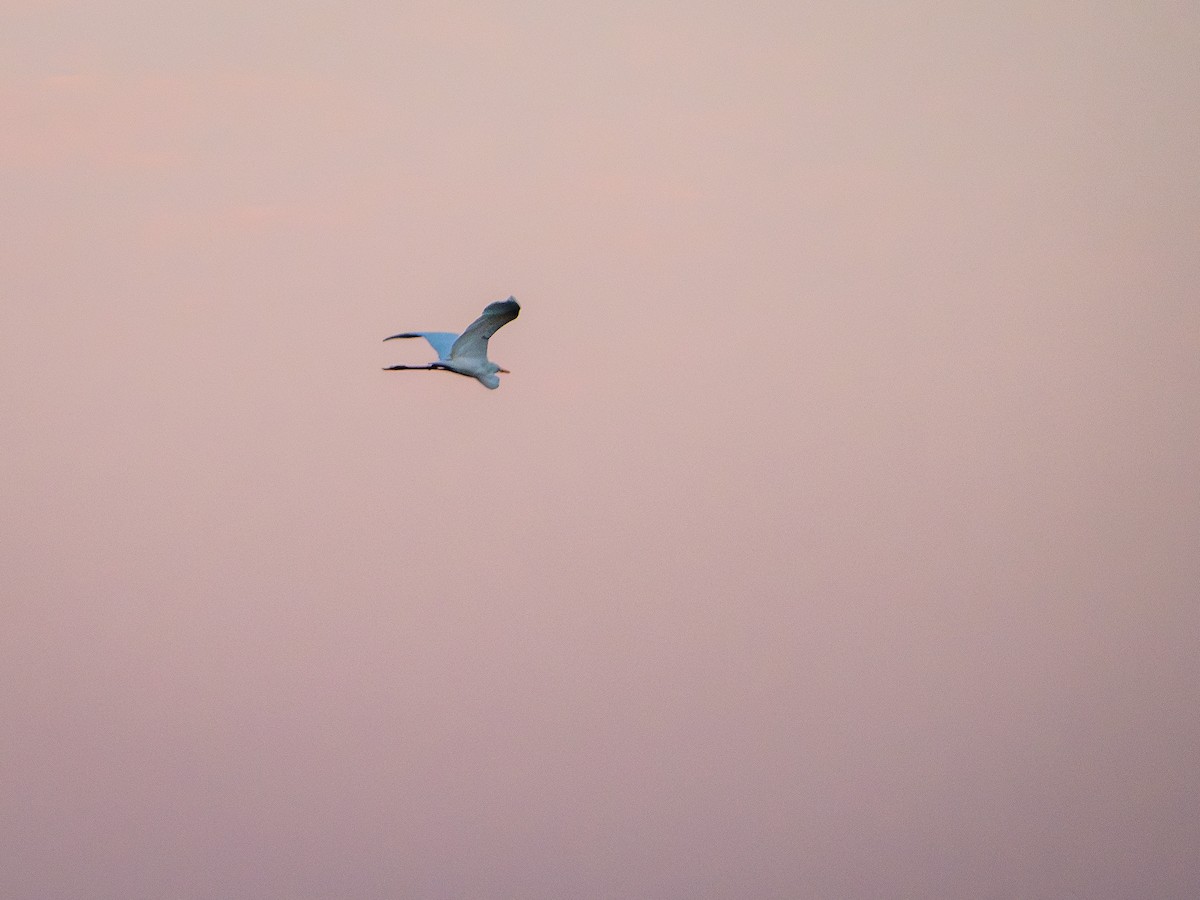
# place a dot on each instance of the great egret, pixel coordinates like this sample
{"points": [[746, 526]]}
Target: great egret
{"points": [[466, 353]]}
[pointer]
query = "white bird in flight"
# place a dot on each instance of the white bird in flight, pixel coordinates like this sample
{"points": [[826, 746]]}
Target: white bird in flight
{"points": [[466, 353]]}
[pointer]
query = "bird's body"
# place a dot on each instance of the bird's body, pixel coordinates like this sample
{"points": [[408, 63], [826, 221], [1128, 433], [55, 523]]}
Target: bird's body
{"points": [[466, 353]]}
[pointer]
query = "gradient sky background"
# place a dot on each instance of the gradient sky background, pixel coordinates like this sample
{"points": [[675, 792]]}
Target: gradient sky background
{"points": [[836, 536]]}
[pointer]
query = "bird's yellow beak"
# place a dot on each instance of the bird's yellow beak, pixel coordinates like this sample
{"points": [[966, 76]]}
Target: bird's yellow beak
{"points": [[505, 371]]}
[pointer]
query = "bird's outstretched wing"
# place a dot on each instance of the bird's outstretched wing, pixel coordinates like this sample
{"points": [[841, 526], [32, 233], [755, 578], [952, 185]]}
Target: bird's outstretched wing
{"points": [[441, 341], [473, 341]]}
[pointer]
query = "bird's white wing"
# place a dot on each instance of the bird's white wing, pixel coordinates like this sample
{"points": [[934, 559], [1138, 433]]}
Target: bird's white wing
{"points": [[473, 341], [440, 341]]}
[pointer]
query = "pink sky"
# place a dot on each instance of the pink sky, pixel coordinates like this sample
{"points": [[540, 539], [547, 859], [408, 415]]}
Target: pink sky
{"points": [[837, 534]]}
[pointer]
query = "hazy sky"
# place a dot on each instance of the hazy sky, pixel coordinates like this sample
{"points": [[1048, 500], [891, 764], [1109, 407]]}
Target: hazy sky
{"points": [[837, 534]]}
